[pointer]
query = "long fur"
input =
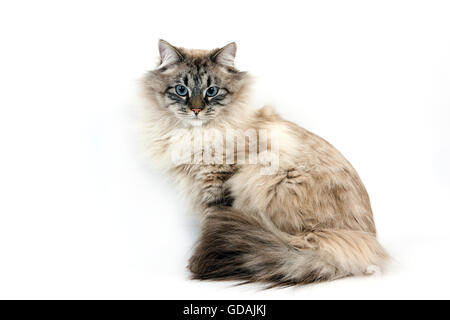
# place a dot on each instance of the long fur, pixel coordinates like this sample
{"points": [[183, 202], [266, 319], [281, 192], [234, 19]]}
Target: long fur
{"points": [[238, 246], [310, 220]]}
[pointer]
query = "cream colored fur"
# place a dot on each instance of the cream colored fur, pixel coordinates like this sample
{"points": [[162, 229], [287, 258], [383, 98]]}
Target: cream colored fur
{"points": [[311, 220]]}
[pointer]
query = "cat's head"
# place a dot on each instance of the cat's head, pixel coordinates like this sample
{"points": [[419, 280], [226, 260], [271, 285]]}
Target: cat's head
{"points": [[197, 86]]}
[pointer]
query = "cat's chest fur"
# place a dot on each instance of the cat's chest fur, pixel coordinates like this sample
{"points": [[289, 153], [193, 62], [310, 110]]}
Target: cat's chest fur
{"points": [[198, 167], [206, 185]]}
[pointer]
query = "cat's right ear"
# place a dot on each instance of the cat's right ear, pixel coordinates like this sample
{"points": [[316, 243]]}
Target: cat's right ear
{"points": [[168, 54], [225, 56]]}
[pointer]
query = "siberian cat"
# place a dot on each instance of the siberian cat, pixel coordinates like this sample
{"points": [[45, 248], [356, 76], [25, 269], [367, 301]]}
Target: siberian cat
{"points": [[307, 220]]}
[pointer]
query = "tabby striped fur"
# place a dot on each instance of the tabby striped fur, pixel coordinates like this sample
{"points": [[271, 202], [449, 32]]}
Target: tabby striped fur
{"points": [[309, 221]]}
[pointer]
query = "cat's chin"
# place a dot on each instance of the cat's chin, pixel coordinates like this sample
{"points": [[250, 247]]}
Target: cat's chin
{"points": [[195, 122]]}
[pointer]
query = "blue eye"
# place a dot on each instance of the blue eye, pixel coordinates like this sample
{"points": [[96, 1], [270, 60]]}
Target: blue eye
{"points": [[181, 90], [212, 91]]}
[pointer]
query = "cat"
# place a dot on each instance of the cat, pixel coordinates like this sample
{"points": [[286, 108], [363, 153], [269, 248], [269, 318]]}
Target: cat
{"points": [[308, 220]]}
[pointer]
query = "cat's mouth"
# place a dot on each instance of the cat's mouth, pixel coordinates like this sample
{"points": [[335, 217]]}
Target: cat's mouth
{"points": [[196, 122]]}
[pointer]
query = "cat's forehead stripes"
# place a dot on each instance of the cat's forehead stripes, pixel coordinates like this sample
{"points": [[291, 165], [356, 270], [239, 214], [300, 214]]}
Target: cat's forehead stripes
{"points": [[198, 70], [197, 78]]}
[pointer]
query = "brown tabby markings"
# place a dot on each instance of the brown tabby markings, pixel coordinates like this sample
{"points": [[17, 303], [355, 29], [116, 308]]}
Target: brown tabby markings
{"points": [[310, 221]]}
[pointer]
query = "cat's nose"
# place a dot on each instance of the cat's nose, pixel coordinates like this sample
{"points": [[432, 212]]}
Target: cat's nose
{"points": [[197, 104]]}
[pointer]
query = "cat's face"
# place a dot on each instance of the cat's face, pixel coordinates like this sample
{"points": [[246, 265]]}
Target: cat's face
{"points": [[197, 86]]}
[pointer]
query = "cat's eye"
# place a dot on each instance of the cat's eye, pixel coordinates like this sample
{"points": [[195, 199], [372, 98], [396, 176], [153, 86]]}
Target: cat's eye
{"points": [[212, 91], [181, 90]]}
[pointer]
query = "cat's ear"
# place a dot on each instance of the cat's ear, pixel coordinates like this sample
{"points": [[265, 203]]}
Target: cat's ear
{"points": [[225, 56], [168, 53]]}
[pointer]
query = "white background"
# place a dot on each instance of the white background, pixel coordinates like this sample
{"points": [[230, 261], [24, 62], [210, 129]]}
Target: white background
{"points": [[84, 215]]}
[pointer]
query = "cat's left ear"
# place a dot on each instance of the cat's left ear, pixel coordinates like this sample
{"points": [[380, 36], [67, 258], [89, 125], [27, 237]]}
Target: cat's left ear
{"points": [[225, 56], [168, 53]]}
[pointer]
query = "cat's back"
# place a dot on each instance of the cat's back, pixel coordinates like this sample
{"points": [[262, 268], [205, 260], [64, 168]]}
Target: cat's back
{"points": [[314, 185], [297, 145]]}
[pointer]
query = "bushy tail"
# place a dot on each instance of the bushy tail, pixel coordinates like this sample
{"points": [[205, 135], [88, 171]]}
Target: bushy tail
{"points": [[238, 246]]}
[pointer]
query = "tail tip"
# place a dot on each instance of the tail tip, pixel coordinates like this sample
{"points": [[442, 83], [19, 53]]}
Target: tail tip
{"points": [[372, 270]]}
